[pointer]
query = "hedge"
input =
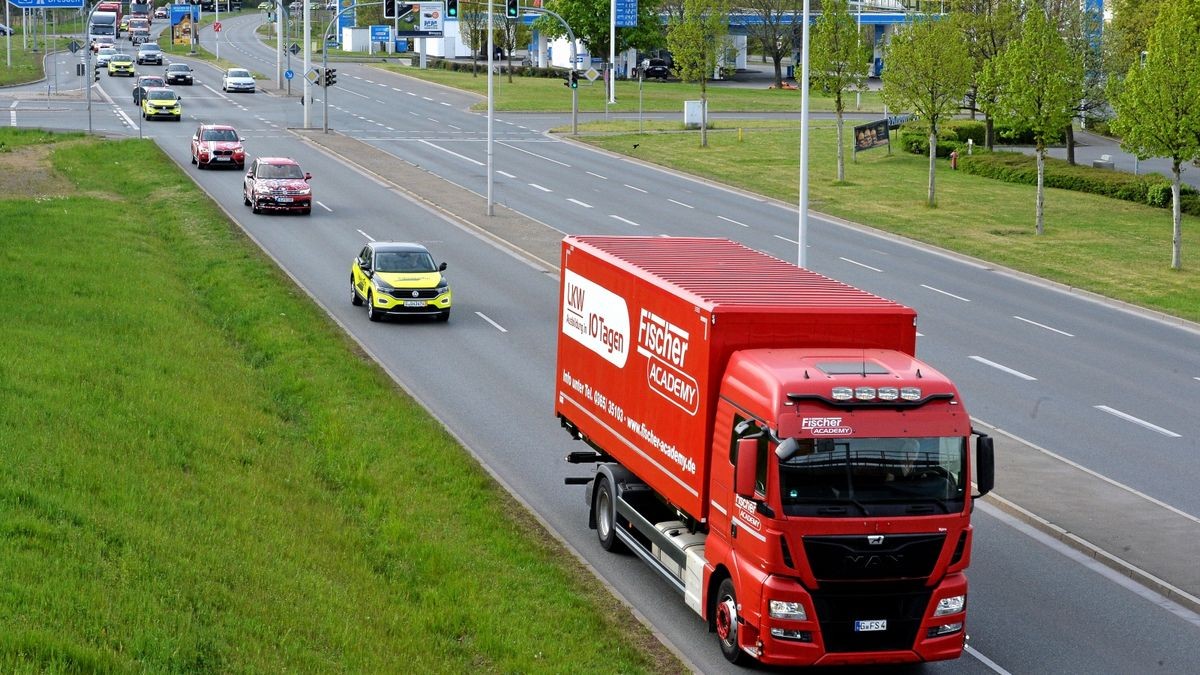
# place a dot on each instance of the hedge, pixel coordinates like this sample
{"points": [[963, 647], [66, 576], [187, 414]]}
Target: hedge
{"points": [[1013, 167], [481, 67]]}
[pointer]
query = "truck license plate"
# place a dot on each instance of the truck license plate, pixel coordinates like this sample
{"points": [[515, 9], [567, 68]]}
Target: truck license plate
{"points": [[414, 303], [870, 625]]}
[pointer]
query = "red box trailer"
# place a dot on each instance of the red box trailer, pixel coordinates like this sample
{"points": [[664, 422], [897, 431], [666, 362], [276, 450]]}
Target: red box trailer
{"points": [[766, 440]]}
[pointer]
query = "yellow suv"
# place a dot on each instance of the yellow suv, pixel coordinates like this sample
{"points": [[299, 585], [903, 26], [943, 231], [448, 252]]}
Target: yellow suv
{"points": [[395, 278], [161, 102], [120, 64]]}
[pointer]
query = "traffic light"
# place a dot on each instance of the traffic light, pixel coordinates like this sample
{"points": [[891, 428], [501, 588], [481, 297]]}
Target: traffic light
{"points": [[451, 9], [389, 9], [330, 77], [511, 10], [573, 80]]}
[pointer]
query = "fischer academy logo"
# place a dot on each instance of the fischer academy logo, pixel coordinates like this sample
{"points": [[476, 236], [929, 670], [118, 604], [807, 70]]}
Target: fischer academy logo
{"points": [[825, 426], [596, 318], [665, 347]]}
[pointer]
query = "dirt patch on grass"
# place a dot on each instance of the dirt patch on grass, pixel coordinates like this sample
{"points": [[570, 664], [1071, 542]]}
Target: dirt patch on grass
{"points": [[27, 172]]}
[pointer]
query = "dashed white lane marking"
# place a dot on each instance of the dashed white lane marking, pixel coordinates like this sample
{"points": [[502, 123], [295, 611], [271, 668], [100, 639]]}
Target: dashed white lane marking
{"points": [[324, 207], [631, 187], [686, 206], [426, 98], [443, 103], [1042, 325], [539, 187], [369, 237], [1006, 369], [536, 155], [623, 220], [356, 93], [985, 660], [509, 175], [498, 327], [576, 201], [1140, 422], [411, 93], [597, 175], [454, 127], [855, 262], [731, 220], [451, 152], [398, 90], [790, 241], [946, 293]]}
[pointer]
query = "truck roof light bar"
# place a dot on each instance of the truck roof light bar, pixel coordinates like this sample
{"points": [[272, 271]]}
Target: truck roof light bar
{"points": [[875, 402]]}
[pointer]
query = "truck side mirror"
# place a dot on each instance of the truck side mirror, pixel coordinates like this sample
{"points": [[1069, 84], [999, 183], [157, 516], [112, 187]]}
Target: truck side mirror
{"points": [[985, 465], [747, 467]]}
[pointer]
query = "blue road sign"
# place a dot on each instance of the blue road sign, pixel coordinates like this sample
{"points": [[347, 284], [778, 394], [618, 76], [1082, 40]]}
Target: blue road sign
{"points": [[381, 33], [54, 4], [289, 74]]}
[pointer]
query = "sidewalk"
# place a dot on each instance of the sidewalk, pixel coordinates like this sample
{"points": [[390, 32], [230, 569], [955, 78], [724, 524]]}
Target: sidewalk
{"points": [[1090, 147]]}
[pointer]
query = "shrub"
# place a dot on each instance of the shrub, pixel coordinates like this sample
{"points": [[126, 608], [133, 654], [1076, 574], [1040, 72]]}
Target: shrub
{"points": [[967, 129], [1015, 167], [915, 139]]}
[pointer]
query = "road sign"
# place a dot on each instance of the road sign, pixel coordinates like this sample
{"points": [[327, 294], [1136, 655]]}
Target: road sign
{"points": [[216, 26], [289, 74], [627, 11], [312, 75], [294, 49], [74, 46], [52, 4], [591, 74]]}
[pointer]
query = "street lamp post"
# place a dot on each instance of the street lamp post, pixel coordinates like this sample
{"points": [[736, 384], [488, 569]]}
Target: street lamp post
{"points": [[803, 207]]}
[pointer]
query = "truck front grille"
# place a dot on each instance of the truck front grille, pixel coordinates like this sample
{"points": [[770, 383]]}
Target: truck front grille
{"points": [[837, 610], [856, 558]]}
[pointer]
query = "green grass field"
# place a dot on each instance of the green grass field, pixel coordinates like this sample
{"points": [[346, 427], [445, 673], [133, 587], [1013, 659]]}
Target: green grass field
{"points": [[201, 473], [1111, 247]]}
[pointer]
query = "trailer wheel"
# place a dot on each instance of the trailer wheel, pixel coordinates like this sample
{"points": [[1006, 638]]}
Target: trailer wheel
{"points": [[606, 517], [727, 622]]}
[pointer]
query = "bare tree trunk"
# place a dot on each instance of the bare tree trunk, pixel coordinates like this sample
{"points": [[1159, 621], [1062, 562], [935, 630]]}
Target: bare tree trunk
{"points": [[1041, 188], [989, 136], [1177, 220], [1070, 136], [932, 164], [778, 70]]}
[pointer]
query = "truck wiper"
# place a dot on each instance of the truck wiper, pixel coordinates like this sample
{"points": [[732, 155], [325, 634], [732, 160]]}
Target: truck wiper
{"points": [[826, 510]]}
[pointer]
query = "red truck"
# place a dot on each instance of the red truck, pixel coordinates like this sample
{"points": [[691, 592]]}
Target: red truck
{"points": [[765, 439], [115, 8]]}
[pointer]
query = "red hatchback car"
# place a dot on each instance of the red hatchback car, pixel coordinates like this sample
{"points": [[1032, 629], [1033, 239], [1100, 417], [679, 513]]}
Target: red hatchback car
{"points": [[277, 183], [217, 145]]}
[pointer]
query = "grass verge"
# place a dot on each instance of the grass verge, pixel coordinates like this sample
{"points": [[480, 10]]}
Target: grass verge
{"points": [[1118, 249], [186, 485], [27, 65]]}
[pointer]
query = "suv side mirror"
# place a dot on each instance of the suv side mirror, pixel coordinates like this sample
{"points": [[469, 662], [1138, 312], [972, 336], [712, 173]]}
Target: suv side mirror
{"points": [[442, 267], [307, 176]]}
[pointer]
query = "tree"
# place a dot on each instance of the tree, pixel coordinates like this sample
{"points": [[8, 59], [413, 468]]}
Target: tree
{"points": [[1038, 83], [1127, 36], [839, 60], [771, 32], [928, 72], [1158, 107], [696, 41], [589, 20], [510, 34], [1081, 29], [472, 28], [987, 26]]}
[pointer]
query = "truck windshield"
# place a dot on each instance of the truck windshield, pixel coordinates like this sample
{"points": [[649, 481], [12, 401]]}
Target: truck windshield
{"points": [[874, 476]]}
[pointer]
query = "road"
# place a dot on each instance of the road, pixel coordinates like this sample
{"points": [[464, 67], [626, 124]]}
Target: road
{"points": [[1043, 358]]}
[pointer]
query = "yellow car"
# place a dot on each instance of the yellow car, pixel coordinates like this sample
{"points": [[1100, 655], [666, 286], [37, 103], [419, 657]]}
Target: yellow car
{"points": [[161, 102], [120, 64], [399, 279]]}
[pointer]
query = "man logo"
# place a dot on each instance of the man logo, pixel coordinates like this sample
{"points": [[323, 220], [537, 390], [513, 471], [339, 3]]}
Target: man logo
{"points": [[875, 539]]}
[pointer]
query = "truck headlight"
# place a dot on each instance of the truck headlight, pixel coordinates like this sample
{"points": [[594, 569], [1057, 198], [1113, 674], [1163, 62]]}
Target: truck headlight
{"points": [[951, 605], [785, 609]]}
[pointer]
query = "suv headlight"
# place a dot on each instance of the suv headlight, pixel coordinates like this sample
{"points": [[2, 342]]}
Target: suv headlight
{"points": [[443, 286], [382, 285]]}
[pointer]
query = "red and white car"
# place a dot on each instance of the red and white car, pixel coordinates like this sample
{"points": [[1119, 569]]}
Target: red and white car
{"points": [[277, 184], [217, 145]]}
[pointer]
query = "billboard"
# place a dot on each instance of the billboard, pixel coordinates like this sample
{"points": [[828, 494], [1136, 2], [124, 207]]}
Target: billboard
{"points": [[420, 19], [183, 23], [871, 135]]}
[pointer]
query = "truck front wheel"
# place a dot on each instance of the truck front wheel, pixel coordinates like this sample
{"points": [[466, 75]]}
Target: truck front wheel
{"points": [[606, 517], [727, 622]]}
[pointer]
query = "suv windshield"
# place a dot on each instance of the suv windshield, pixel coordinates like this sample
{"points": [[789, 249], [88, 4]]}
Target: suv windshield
{"points": [[403, 261], [874, 476], [279, 171], [219, 135], [162, 95]]}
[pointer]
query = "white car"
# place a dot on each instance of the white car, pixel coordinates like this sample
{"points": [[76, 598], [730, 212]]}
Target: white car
{"points": [[104, 55], [237, 79]]}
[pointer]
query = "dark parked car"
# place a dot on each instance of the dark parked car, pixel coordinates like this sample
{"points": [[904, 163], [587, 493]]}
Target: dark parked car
{"points": [[655, 68], [178, 73]]}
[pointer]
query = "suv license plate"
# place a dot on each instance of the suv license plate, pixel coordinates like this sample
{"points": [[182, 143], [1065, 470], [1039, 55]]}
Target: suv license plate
{"points": [[284, 200], [870, 625], [414, 303]]}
